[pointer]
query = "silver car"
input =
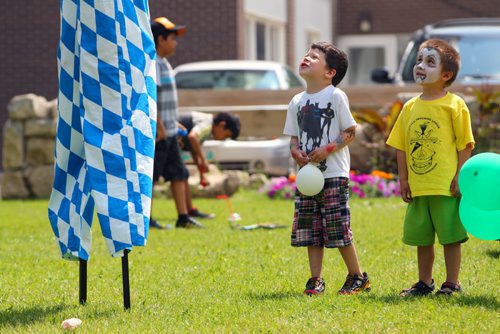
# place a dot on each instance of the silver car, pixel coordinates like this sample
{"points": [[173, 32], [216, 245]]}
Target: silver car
{"points": [[477, 40], [236, 74], [269, 156]]}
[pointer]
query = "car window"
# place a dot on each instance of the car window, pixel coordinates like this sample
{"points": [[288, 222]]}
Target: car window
{"points": [[291, 78], [227, 79], [479, 57]]}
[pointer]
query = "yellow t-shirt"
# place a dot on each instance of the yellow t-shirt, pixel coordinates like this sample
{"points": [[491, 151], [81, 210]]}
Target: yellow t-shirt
{"points": [[432, 133]]}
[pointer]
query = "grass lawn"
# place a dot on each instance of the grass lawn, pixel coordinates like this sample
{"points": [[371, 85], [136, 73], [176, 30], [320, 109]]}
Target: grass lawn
{"points": [[224, 280]]}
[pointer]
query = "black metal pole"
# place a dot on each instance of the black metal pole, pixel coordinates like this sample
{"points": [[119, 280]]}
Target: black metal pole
{"points": [[83, 282], [126, 282]]}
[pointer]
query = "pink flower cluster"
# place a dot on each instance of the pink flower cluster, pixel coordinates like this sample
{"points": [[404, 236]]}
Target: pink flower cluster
{"points": [[376, 184], [280, 187], [373, 185]]}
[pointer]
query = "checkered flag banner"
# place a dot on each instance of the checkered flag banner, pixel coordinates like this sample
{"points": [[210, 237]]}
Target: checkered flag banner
{"points": [[106, 127]]}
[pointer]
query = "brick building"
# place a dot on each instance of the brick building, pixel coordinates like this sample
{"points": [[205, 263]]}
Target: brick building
{"points": [[372, 32]]}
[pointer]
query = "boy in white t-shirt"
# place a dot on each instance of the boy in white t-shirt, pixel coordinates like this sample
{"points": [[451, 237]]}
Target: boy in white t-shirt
{"points": [[321, 126]]}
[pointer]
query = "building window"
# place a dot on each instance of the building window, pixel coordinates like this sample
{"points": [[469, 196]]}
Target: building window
{"points": [[265, 40], [311, 37], [260, 46], [367, 53]]}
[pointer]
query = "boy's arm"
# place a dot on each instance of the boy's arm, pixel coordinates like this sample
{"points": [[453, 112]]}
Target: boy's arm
{"points": [[299, 156], [197, 152], [463, 156], [161, 132], [345, 138], [403, 176]]}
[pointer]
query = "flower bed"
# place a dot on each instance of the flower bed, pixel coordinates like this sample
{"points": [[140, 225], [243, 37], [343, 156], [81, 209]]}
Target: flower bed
{"points": [[375, 184]]}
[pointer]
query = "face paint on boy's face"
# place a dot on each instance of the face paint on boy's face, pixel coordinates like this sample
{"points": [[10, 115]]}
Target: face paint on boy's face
{"points": [[428, 67]]}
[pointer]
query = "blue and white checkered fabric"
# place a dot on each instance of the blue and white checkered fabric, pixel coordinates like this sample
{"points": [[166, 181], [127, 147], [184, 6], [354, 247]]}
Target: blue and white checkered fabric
{"points": [[106, 127]]}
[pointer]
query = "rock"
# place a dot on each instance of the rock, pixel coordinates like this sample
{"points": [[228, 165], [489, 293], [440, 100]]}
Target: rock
{"points": [[39, 151], [26, 106], [40, 180], [13, 148], [14, 185], [40, 128], [257, 180]]}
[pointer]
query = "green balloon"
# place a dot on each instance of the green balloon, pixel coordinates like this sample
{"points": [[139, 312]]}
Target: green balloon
{"points": [[479, 182]]}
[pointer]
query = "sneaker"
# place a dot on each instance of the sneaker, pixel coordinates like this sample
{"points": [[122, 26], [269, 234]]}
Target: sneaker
{"points": [[418, 289], [188, 223], [448, 289], [195, 213], [315, 286], [154, 224], [355, 284]]}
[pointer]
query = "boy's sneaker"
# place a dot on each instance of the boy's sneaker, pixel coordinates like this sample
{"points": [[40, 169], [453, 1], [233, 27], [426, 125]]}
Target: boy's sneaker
{"points": [[154, 224], [418, 289], [188, 223], [195, 213], [315, 286], [448, 289], [355, 284]]}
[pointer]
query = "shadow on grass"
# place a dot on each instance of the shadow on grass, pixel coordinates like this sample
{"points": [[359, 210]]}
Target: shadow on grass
{"points": [[15, 317], [26, 316], [488, 302], [493, 253], [279, 295]]}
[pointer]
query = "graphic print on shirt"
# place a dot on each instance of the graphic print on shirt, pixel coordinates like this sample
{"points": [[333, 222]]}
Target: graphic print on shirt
{"points": [[423, 141], [312, 122]]}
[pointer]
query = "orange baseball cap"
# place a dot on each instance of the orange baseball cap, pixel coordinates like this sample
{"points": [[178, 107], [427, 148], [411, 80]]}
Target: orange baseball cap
{"points": [[169, 25]]}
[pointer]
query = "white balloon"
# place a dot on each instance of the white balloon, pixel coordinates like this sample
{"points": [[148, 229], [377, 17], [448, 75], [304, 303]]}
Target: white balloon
{"points": [[310, 180]]}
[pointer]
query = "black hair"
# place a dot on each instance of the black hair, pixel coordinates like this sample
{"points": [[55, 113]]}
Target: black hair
{"points": [[335, 59], [159, 30], [232, 123]]}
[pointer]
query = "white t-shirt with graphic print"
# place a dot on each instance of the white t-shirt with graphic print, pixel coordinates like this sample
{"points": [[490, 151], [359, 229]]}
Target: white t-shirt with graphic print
{"points": [[318, 119]]}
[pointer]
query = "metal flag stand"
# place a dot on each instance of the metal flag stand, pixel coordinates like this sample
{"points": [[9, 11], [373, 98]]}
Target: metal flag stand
{"points": [[125, 276]]}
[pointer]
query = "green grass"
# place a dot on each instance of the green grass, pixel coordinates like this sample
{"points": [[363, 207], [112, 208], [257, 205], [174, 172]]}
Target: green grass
{"points": [[223, 280]]}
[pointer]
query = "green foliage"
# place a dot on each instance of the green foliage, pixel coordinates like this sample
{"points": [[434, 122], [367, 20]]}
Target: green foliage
{"points": [[223, 280]]}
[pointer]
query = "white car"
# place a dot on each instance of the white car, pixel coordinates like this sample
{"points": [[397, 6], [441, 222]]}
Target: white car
{"points": [[236, 74], [269, 156]]}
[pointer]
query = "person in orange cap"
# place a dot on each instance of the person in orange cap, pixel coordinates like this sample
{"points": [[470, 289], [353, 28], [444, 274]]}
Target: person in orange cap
{"points": [[167, 160]]}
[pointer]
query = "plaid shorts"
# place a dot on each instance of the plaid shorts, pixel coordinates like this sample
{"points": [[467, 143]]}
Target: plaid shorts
{"points": [[324, 219]]}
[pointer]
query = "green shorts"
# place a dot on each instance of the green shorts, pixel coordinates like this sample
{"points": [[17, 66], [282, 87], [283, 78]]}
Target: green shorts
{"points": [[427, 216]]}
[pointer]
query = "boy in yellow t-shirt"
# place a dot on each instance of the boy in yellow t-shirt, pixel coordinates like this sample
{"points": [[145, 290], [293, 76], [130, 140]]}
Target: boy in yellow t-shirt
{"points": [[433, 138]]}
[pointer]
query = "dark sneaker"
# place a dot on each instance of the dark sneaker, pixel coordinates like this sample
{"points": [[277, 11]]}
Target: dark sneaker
{"points": [[188, 223], [195, 213], [315, 286], [154, 224], [355, 284], [418, 289], [448, 289]]}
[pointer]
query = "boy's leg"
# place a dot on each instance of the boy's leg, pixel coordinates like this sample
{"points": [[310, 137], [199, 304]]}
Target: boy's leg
{"points": [[187, 196], [452, 258], [350, 258], [315, 254], [425, 255], [179, 193]]}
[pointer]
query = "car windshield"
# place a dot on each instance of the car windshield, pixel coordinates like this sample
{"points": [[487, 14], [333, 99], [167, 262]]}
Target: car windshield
{"points": [[479, 58], [227, 79], [478, 54]]}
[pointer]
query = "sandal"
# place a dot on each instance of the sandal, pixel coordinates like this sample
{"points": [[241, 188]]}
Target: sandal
{"points": [[418, 289], [448, 289]]}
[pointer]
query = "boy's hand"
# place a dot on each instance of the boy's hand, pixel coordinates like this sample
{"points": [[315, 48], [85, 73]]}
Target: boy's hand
{"points": [[405, 191], [454, 189], [299, 156], [319, 154]]}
